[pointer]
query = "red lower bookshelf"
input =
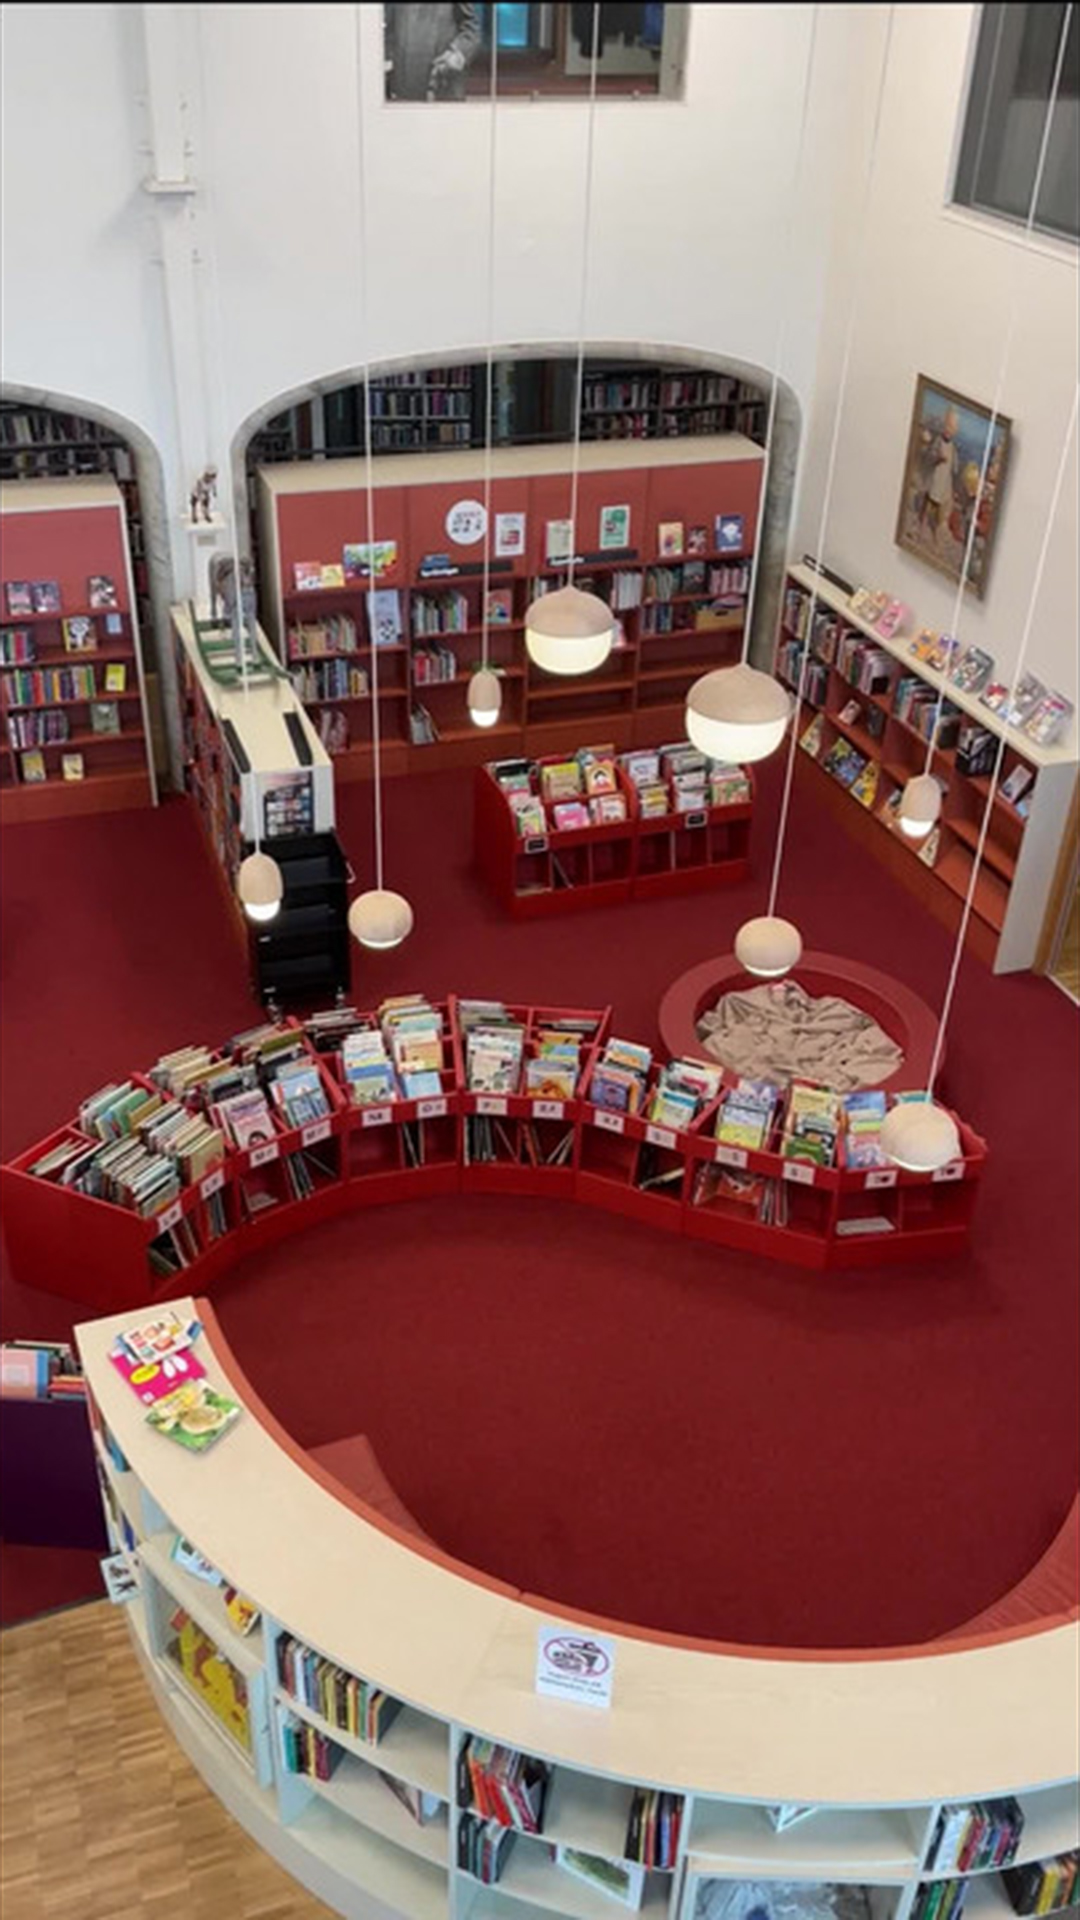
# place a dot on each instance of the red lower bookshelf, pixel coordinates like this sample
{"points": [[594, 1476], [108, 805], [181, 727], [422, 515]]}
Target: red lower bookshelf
{"points": [[475, 1134]]}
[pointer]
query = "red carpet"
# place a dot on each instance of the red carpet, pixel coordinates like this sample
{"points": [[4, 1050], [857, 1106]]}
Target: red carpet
{"points": [[682, 1436]]}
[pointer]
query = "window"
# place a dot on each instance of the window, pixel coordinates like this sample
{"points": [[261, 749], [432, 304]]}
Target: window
{"points": [[440, 53], [1016, 58]]}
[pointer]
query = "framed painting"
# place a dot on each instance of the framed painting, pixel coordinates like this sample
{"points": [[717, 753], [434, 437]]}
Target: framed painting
{"points": [[949, 442]]}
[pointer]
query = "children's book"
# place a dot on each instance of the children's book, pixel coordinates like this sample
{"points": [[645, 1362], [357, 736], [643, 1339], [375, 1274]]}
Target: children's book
{"points": [[33, 766], [972, 671], [195, 1416], [307, 575], [669, 539], [811, 741], [864, 787], [1049, 720], [558, 541], [729, 533], [120, 1582], [101, 591], [80, 634], [18, 597], [158, 1339], [152, 1380], [45, 595], [995, 696], [104, 716], [890, 622], [332, 574], [1016, 783], [243, 1613], [194, 1562], [384, 616], [115, 676], [697, 539]]}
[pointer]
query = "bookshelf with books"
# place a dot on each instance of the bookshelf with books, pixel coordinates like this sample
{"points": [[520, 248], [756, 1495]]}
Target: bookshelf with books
{"points": [[639, 402], [76, 723], [869, 709], [427, 1772], [667, 544]]}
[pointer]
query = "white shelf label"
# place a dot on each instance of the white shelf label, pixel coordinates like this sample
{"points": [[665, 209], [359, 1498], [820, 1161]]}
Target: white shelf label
{"points": [[430, 1109], [315, 1130], [490, 1103], [659, 1137], [611, 1122], [169, 1217], [575, 1666], [375, 1117], [800, 1171], [213, 1183], [259, 1156], [954, 1171], [881, 1177], [731, 1156], [549, 1109]]}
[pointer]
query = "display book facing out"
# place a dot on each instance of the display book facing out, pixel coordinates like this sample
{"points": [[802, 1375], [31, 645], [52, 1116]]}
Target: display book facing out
{"points": [[209, 1153], [668, 545], [384, 1765], [596, 826], [871, 695], [76, 731]]}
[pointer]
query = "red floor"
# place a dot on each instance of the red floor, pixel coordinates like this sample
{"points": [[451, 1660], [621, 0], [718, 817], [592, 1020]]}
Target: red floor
{"points": [[685, 1437]]}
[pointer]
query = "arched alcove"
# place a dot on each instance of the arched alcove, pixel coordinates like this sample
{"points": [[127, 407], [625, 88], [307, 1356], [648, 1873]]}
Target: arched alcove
{"points": [[784, 440]]}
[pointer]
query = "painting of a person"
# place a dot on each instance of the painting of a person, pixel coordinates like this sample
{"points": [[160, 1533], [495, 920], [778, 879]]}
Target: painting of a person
{"points": [[429, 49], [938, 498]]}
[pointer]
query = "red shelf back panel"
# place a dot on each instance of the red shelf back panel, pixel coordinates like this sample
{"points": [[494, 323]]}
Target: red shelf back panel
{"points": [[318, 526], [696, 495], [67, 544]]}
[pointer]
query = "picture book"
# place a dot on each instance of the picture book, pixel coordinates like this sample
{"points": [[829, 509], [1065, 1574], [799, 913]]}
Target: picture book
{"points": [[622, 1881], [18, 598], [869, 604], [500, 606], [33, 766], [101, 592], [729, 533], [104, 716], [614, 527], [1017, 782], [80, 633], [72, 766], [115, 676], [943, 653], [246, 1119], [332, 574], [509, 535], [243, 1613], [864, 787], [606, 808], [812, 740], [120, 1582], [669, 539], [889, 623], [1049, 720], [569, 814], [152, 1379], [1026, 697], [307, 575], [194, 1416], [929, 848], [547, 1078], [972, 671], [924, 643], [995, 696], [194, 1562], [558, 541], [45, 595], [384, 616], [697, 539], [114, 625], [356, 557], [158, 1339]]}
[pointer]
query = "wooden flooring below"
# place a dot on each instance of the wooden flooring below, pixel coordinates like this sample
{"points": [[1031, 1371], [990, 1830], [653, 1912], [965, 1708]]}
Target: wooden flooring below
{"points": [[102, 1817]]}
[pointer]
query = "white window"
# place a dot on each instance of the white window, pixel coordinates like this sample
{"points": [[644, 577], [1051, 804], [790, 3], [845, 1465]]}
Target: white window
{"points": [[1017, 55]]}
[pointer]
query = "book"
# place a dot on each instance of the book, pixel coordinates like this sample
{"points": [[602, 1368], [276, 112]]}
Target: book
{"points": [[620, 1880], [194, 1562], [1049, 720], [419, 1804], [812, 740], [558, 541], [101, 592], [972, 671], [729, 533], [669, 539], [33, 766], [115, 676], [243, 1613], [1025, 699], [104, 716], [889, 623], [307, 575], [865, 785], [194, 1416], [45, 595], [1017, 782], [18, 597], [72, 766], [80, 633], [120, 1582], [384, 616], [697, 539]]}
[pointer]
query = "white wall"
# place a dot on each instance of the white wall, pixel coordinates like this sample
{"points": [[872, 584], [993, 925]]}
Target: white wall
{"points": [[696, 243], [955, 297]]}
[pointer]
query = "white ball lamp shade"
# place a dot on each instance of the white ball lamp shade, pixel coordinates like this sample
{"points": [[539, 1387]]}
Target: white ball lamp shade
{"points": [[259, 886], [380, 919], [768, 947], [920, 805], [484, 698], [737, 714], [569, 631], [919, 1136]]}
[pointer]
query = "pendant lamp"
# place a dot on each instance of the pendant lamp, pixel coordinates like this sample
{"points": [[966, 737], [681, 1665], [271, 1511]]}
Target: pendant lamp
{"points": [[260, 887], [737, 714], [920, 805], [919, 1136], [568, 631], [380, 919], [768, 947], [483, 697]]}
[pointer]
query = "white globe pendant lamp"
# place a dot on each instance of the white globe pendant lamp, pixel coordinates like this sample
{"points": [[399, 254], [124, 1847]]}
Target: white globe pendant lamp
{"points": [[737, 714], [260, 887], [920, 1136], [380, 919], [569, 631], [920, 805], [768, 946], [484, 698]]}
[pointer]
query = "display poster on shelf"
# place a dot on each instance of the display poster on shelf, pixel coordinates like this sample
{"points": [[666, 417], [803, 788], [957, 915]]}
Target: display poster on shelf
{"points": [[576, 1667], [466, 522]]}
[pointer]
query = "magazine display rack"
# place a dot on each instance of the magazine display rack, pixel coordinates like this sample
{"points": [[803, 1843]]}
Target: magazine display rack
{"points": [[640, 857], [72, 687], [666, 539], [391, 1149], [860, 697], [380, 1676]]}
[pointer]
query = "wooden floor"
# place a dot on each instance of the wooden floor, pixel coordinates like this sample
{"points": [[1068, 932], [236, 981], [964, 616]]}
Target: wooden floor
{"points": [[101, 1815]]}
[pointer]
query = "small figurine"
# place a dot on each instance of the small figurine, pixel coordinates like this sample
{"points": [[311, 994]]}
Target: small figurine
{"points": [[203, 494]]}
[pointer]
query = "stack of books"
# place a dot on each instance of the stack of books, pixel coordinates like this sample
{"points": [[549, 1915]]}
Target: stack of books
{"points": [[553, 1066], [652, 1829], [969, 1838], [413, 1032], [863, 1117], [483, 1847], [683, 1088], [367, 1069], [811, 1124], [339, 1697], [245, 1118], [298, 1093], [502, 1785], [306, 1750], [745, 1116], [40, 1370], [1044, 1886], [620, 1077]]}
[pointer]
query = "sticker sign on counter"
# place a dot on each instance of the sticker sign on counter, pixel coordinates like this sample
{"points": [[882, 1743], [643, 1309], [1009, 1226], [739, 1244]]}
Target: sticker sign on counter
{"points": [[575, 1666]]}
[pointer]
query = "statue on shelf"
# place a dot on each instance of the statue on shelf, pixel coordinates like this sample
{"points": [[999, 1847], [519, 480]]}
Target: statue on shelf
{"points": [[203, 495]]}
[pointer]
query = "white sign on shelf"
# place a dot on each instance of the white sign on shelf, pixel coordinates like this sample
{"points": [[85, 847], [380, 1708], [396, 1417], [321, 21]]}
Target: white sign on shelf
{"points": [[954, 1171], [466, 522], [169, 1217], [659, 1137], [259, 1156], [314, 1131], [575, 1666], [881, 1177], [612, 1122], [800, 1171], [430, 1109], [213, 1183], [549, 1109], [730, 1156], [375, 1117], [490, 1103]]}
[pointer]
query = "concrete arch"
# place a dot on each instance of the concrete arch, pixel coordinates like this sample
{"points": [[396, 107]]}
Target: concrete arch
{"points": [[783, 457], [157, 554]]}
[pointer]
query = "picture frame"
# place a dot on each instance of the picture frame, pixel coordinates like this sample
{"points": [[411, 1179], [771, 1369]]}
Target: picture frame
{"points": [[947, 446]]}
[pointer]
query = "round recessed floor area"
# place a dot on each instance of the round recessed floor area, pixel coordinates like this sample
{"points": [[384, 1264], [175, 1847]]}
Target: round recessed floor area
{"points": [[679, 1436]]}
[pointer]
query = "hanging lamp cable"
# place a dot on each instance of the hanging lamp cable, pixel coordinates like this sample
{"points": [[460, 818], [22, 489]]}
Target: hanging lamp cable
{"points": [[830, 474], [489, 362], [369, 478], [586, 222], [785, 255]]}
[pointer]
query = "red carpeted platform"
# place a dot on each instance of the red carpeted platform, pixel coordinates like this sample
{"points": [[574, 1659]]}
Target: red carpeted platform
{"points": [[670, 1433]]}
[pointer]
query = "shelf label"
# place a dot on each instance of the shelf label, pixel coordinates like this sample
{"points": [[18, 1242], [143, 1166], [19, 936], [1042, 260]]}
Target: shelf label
{"points": [[169, 1217], [575, 1666], [259, 1156], [537, 843], [611, 1122], [800, 1171], [430, 1109], [375, 1116], [659, 1137], [490, 1103], [954, 1171], [212, 1184], [549, 1109], [695, 819], [881, 1177], [315, 1130], [731, 1156]]}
